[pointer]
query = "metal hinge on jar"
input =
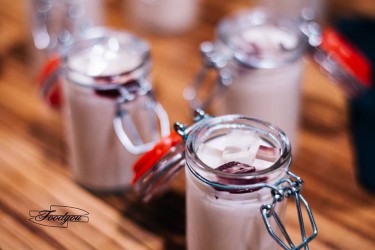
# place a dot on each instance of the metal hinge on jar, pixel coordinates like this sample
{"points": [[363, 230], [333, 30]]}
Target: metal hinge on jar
{"points": [[284, 189], [212, 59]]}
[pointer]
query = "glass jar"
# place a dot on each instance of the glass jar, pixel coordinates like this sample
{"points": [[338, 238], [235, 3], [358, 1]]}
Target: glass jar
{"points": [[55, 22], [239, 209], [258, 59], [110, 110], [163, 16]]}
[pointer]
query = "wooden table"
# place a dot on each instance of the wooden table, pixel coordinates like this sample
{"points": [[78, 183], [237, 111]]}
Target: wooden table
{"points": [[34, 171]]}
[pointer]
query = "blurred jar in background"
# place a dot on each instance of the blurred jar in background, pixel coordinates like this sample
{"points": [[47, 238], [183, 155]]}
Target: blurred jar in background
{"points": [[54, 23], [258, 59], [111, 114], [163, 16]]}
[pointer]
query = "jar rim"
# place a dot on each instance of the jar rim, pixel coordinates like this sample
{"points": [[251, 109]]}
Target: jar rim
{"points": [[96, 35], [253, 18], [198, 134]]}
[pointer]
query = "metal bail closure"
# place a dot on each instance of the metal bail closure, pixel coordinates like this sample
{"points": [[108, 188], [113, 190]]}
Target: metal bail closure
{"points": [[136, 144], [155, 169], [215, 60], [287, 188], [336, 56]]}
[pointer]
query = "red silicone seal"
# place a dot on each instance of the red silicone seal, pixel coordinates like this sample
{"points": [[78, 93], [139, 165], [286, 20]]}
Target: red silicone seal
{"points": [[149, 159], [53, 95], [347, 56]]}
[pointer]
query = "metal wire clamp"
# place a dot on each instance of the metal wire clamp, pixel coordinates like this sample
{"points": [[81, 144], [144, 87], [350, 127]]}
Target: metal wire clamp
{"points": [[287, 188]]}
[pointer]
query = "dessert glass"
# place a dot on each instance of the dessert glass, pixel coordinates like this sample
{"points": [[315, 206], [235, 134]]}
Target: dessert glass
{"points": [[258, 60], [110, 110], [227, 210]]}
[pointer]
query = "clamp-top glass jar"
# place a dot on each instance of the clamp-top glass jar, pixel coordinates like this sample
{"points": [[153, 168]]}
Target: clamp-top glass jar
{"points": [[237, 182], [258, 58], [111, 113]]}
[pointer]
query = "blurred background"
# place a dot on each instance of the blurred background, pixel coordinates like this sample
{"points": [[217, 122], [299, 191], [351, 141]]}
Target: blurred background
{"points": [[16, 38]]}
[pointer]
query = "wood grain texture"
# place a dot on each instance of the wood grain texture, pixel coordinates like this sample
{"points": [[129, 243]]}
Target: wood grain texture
{"points": [[34, 171], [14, 33]]}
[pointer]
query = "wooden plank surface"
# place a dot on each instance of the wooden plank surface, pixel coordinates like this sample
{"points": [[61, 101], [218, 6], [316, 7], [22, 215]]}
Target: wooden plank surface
{"points": [[34, 172]]}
